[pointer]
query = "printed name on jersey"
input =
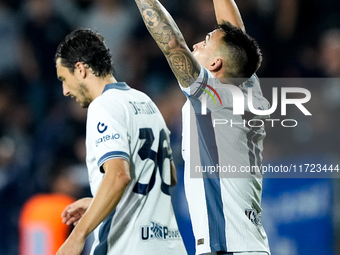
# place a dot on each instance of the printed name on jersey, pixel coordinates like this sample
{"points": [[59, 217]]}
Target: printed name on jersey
{"points": [[254, 217], [143, 107], [159, 232]]}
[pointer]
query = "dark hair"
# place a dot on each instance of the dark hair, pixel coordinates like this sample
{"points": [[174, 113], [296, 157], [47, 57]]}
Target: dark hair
{"points": [[243, 51], [83, 45]]}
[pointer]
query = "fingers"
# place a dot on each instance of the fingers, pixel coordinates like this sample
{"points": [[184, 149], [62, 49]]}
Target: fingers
{"points": [[67, 214], [64, 212], [71, 218], [73, 212], [70, 214], [70, 209]]}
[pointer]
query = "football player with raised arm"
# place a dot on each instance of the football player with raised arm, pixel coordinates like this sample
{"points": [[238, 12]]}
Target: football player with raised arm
{"points": [[129, 158], [225, 212]]}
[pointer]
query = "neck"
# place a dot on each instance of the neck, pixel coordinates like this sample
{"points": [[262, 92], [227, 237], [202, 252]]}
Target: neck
{"points": [[221, 77], [98, 85], [228, 80], [108, 80]]}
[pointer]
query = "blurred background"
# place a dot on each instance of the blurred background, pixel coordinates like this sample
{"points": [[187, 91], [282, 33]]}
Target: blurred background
{"points": [[42, 134]]}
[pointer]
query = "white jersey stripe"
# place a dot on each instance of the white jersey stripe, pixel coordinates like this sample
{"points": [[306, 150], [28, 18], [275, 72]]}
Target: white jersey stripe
{"points": [[209, 157]]}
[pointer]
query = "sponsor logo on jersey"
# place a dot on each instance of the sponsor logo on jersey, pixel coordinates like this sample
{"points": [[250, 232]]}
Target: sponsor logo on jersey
{"points": [[159, 232], [101, 127], [106, 138], [254, 217]]}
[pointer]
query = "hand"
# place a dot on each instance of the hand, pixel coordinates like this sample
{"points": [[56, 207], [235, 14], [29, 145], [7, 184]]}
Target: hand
{"points": [[73, 212], [72, 246]]}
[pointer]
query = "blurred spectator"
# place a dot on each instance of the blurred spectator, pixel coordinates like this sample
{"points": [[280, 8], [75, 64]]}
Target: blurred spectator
{"points": [[41, 229], [114, 21], [15, 159], [286, 19], [330, 52], [9, 41], [13, 192], [42, 31], [56, 137], [72, 11]]}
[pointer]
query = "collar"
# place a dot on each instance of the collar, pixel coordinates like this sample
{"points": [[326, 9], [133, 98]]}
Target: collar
{"points": [[116, 85]]}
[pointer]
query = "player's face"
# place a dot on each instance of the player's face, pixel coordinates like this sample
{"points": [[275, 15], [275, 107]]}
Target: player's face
{"points": [[204, 51], [72, 86]]}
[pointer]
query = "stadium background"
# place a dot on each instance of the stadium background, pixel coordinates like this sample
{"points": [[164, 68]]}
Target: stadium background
{"points": [[42, 133]]}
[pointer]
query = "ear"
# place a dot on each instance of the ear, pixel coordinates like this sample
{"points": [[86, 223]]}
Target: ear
{"points": [[216, 65], [80, 70]]}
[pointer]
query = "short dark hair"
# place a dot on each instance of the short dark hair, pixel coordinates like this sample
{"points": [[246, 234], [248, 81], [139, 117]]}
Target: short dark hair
{"points": [[88, 47], [243, 51]]}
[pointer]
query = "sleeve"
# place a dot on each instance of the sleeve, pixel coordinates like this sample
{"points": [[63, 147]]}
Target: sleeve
{"points": [[108, 131], [207, 92], [194, 89]]}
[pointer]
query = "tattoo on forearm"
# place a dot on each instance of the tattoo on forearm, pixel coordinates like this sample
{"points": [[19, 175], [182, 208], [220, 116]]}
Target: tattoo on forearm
{"points": [[182, 67], [151, 18], [158, 28], [170, 40]]}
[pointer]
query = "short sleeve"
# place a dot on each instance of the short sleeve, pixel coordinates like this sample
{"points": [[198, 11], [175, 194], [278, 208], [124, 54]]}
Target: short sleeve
{"points": [[107, 132], [193, 88], [205, 90]]}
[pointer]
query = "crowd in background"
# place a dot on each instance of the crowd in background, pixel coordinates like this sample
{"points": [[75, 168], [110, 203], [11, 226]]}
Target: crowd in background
{"points": [[42, 133]]}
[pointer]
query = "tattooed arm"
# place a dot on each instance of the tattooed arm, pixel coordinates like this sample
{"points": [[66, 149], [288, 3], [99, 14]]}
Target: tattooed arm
{"points": [[227, 10], [170, 40]]}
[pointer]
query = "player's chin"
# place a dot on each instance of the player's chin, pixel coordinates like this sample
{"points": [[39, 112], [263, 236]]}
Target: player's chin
{"points": [[83, 103]]}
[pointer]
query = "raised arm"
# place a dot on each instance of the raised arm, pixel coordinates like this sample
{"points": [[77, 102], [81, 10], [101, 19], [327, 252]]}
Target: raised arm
{"points": [[170, 40], [227, 10]]}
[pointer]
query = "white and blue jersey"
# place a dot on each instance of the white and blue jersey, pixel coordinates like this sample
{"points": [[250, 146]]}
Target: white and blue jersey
{"points": [[224, 204], [125, 123]]}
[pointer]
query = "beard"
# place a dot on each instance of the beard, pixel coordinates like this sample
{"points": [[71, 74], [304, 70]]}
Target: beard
{"points": [[85, 99]]}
